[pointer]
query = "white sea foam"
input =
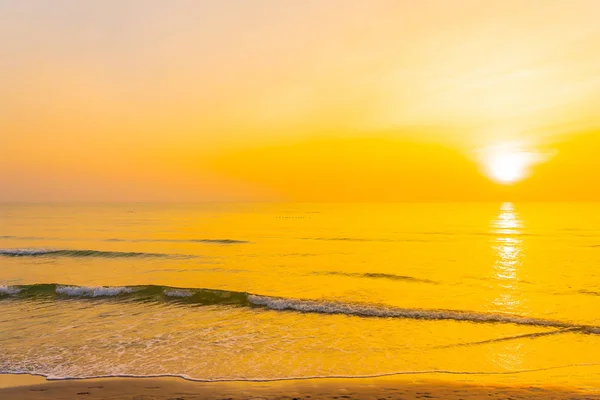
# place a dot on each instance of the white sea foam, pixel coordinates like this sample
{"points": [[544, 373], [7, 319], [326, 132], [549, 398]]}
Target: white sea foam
{"points": [[93, 291], [177, 293], [25, 252], [9, 290], [281, 304], [70, 376]]}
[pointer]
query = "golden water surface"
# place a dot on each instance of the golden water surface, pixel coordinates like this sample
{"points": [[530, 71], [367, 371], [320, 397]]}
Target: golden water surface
{"points": [[268, 291]]}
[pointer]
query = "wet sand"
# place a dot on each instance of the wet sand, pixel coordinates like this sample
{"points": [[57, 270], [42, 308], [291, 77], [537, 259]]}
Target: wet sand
{"points": [[35, 388]]}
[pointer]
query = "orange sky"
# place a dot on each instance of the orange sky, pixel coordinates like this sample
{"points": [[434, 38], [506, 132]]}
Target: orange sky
{"points": [[336, 100]]}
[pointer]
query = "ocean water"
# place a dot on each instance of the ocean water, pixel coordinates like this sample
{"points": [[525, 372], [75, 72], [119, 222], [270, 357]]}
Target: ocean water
{"points": [[281, 291]]}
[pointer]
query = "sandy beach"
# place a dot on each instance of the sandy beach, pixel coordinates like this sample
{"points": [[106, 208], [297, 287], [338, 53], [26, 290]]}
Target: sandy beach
{"points": [[33, 388]]}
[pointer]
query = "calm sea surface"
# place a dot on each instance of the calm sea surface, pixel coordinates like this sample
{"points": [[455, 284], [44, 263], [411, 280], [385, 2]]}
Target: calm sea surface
{"points": [[264, 291]]}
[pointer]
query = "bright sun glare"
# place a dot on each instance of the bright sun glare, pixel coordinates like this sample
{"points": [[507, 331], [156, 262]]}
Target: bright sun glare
{"points": [[508, 165]]}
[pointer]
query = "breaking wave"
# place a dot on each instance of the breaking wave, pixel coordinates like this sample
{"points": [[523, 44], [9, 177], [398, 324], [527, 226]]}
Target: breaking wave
{"points": [[200, 296]]}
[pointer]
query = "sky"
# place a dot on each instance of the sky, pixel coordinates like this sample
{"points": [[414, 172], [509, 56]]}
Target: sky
{"points": [[299, 100]]}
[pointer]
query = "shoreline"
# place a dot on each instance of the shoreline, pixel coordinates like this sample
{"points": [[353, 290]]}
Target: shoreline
{"points": [[30, 387]]}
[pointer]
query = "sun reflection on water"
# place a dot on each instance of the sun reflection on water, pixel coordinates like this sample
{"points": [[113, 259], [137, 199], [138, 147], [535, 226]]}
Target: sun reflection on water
{"points": [[506, 231]]}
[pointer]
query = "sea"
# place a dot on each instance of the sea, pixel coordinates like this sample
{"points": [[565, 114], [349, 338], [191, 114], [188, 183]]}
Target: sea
{"points": [[260, 292]]}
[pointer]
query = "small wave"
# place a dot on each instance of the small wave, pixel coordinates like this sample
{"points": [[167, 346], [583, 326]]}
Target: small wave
{"points": [[347, 239], [379, 240], [24, 237], [377, 275], [210, 241], [139, 292], [35, 252], [26, 252], [219, 241], [200, 296], [361, 310], [522, 336], [589, 292]]}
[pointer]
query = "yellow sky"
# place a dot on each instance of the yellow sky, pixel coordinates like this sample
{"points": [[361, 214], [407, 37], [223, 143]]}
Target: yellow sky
{"points": [[335, 100]]}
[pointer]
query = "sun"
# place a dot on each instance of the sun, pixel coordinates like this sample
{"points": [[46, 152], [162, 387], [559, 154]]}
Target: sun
{"points": [[508, 165]]}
